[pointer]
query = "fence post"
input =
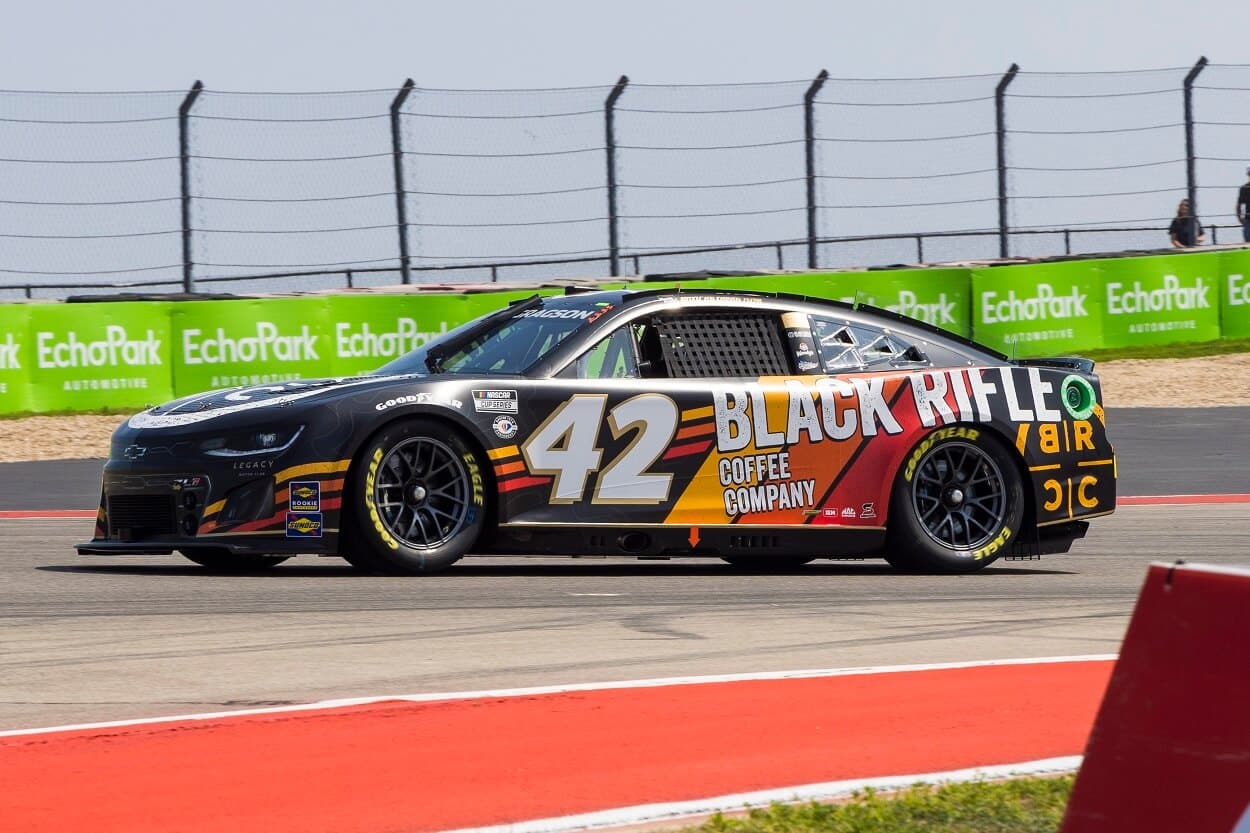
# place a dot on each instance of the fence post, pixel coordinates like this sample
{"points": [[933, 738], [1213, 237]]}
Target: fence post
{"points": [[184, 167], [609, 127], [1191, 179], [401, 200], [809, 150], [1000, 127]]}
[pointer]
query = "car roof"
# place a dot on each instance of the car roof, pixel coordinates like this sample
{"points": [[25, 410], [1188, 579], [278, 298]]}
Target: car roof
{"points": [[625, 299]]}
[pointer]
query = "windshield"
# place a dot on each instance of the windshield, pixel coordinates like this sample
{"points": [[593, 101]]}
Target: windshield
{"points": [[507, 341]]}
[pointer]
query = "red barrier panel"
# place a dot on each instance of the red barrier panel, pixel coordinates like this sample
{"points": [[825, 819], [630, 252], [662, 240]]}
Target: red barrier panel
{"points": [[1170, 750]]}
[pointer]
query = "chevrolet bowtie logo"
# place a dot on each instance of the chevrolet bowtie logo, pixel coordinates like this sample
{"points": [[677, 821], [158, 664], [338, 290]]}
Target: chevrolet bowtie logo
{"points": [[134, 452]]}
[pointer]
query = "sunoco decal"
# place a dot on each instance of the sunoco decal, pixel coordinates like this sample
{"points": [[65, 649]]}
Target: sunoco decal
{"points": [[303, 525]]}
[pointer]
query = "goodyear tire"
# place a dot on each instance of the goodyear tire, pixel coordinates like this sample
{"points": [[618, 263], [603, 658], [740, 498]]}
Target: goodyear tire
{"points": [[225, 561], [418, 500], [957, 503]]}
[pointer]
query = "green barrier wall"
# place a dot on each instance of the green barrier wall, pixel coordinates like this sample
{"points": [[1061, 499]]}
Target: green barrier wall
{"points": [[57, 357], [259, 341], [366, 332], [15, 358], [1038, 309], [1235, 294], [87, 356], [225, 343], [1160, 300]]}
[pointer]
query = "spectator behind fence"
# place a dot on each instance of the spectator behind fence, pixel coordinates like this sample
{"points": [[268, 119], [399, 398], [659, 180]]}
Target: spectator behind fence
{"points": [[1243, 208], [1183, 228]]}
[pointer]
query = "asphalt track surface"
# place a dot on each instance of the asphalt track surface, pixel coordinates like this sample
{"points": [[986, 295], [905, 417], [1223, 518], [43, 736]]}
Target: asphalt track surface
{"points": [[94, 639]]}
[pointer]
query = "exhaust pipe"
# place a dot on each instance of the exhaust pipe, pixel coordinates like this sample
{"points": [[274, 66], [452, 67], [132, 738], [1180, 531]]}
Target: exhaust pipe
{"points": [[634, 542]]}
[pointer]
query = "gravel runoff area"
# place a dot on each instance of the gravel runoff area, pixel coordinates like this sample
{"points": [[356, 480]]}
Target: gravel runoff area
{"points": [[1128, 383]]}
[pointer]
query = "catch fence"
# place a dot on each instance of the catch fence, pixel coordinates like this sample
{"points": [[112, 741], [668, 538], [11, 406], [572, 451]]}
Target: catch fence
{"points": [[211, 190]]}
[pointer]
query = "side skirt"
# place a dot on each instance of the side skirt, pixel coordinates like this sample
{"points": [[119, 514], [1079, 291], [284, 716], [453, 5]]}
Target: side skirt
{"points": [[671, 541]]}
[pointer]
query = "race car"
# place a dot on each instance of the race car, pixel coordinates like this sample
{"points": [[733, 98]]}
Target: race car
{"points": [[763, 429]]}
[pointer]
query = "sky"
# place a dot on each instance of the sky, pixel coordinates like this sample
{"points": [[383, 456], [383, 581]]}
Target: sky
{"points": [[289, 45]]}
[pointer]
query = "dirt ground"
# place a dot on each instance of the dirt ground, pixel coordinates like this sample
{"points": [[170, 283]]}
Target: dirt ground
{"points": [[1211, 380]]}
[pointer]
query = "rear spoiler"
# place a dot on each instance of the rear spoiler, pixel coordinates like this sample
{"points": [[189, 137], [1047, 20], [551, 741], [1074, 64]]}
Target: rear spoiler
{"points": [[1076, 363]]}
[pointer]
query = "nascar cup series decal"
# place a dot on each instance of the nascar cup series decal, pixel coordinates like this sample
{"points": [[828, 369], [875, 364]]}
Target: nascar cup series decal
{"points": [[495, 401]]}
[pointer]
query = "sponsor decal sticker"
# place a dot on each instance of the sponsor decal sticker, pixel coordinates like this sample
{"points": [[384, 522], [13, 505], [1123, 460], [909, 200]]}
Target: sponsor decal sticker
{"points": [[762, 483], [848, 512], [303, 524], [571, 314], [495, 401], [505, 427], [306, 496], [416, 399], [868, 510]]}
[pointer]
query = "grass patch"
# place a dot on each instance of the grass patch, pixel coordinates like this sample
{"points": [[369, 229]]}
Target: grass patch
{"points": [[1187, 350], [1024, 805]]}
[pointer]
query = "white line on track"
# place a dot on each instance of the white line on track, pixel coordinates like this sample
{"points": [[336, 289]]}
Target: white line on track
{"points": [[561, 689], [689, 810]]}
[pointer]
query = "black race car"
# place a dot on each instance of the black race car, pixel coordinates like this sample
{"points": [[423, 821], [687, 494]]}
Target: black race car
{"points": [[767, 430]]}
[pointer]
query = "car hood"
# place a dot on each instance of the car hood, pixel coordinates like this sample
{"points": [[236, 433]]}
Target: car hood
{"points": [[202, 407]]}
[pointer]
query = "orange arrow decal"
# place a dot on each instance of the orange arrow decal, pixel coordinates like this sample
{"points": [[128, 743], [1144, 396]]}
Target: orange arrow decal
{"points": [[694, 536]]}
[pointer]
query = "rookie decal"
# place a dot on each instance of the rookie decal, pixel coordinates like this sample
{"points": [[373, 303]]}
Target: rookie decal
{"points": [[306, 496], [303, 524], [371, 478], [495, 401]]}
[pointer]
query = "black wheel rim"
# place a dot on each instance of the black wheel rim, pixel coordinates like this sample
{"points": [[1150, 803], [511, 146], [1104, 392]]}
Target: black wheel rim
{"points": [[960, 496], [422, 493]]}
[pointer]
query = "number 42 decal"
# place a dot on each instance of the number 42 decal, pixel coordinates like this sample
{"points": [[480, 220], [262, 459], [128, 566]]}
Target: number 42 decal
{"points": [[564, 448]]}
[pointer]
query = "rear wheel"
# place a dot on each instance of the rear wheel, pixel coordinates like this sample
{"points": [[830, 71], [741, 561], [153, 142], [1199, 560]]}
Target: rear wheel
{"points": [[230, 562], [418, 500], [956, 505]]}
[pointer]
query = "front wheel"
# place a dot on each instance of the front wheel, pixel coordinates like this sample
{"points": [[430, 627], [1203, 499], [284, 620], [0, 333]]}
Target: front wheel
{"points": [[418, 499], [957, 504]]}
